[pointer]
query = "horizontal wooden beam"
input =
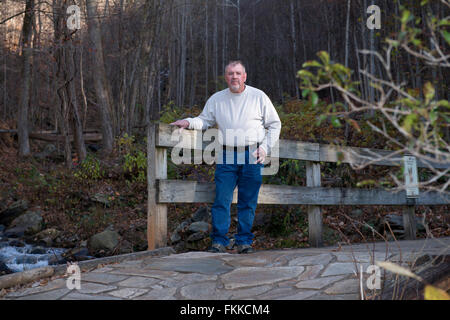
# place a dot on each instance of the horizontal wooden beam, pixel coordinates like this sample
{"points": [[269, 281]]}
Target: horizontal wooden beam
{"points": [[60, 138], [177, 191], [170, 136]]}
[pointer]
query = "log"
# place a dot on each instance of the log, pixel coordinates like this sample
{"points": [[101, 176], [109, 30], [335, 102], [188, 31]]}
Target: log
{"points": [[60, 138], [27, 276]]}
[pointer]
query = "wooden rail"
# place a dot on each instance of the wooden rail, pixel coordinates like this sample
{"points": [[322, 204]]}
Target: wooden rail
{"points": [[165, 191]]}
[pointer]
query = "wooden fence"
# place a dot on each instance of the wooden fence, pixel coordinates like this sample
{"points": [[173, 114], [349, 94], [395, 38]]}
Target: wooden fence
{"points": [[162, 191]]}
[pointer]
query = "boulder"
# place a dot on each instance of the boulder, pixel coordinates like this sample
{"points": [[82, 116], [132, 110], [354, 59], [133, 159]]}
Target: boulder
{"points": [[202, 214], [38, 250], [106, 240], [28, 223], [196, 237], [175, 237], [4, 269], [200, 226], [46, 237], [13, 211]]}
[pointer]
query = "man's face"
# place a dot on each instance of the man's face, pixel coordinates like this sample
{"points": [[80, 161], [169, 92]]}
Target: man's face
{"points": [[235, 77]]}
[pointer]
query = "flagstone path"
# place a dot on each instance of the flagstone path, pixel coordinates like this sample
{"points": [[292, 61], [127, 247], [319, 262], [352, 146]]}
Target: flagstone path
{"points": [[330, 273]]}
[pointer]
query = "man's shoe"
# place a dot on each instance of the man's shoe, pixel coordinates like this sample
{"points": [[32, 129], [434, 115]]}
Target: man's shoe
{"points": [[245, 248], [217, 248]]}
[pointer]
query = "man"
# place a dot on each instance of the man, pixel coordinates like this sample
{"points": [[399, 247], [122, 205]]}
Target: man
{"points": [[248, 112]]}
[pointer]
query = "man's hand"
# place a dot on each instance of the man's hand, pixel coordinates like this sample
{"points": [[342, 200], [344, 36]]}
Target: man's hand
{"points": [[182, 124], [260, 155]]}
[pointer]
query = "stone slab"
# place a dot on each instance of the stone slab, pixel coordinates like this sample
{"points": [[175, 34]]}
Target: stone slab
{"points": [[204, 291], [344, 287], [52, 285], [318, 283], [80, 296], [49, 295], [255, 276], [197, 265], [339, 268], [138, 282], [159, 294], [104, 278], [128, 293], [321, 259]]}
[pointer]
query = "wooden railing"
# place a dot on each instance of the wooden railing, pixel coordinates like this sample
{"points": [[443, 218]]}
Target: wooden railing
{"points": [[163, 192]]}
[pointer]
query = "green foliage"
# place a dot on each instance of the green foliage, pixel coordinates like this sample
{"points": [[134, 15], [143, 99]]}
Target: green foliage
{"points": [[89, 169], [170, 113], [134, 159], [421, 119], [136, 163]]}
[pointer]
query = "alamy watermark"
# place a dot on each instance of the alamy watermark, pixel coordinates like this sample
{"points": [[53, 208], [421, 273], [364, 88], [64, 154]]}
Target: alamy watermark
{"points": [[74, 279], [374, 21], [74, 19]]}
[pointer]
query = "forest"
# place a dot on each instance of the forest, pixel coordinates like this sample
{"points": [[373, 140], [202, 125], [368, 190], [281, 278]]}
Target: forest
{"points": [[81, 81]]}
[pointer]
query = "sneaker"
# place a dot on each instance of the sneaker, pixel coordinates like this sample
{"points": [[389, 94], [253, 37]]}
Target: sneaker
{"points": [[245, 248], [217, 248]]}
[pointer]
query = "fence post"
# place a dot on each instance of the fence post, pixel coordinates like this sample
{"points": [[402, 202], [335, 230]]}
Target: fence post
{"points": [[314, 212], [156, 213], [409, 222]]}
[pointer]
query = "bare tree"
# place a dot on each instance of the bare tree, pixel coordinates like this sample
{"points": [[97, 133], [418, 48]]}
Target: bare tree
{"points": [[102, 89], [22, 119]]}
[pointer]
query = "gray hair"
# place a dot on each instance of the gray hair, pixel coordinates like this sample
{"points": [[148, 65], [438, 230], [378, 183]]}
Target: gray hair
{"points": [[233, 63]]}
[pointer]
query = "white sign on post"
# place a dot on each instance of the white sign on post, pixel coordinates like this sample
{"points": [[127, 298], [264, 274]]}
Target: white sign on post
{"points": [[411, 179]]}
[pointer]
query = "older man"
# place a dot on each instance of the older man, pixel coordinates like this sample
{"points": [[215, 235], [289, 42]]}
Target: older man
{"points": [[243, 114]]}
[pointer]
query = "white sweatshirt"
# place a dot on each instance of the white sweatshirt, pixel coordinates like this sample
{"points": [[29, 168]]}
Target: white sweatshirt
{"points": [[241, 118]]}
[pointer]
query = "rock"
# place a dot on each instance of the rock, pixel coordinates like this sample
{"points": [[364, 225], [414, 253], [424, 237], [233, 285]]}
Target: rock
{"points": [[179, 247], [175, 237], [16, 243], [26, 259], [182, 226], [200, 226], [2, 228], [29, 223], [38, 250], [14, 233], [196, 236], [46, 237], [202, 214], [77, 254], [56, 260], [102, 199], [48, 150], [106, 240], [13, 211], [4, 269]]}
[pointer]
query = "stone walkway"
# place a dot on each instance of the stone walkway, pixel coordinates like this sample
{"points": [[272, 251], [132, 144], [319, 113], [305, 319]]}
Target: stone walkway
{"points": [[291, 274]]}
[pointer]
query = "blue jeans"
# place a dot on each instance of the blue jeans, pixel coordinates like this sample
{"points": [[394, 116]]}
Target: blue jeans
{"points": [[247, 177]]}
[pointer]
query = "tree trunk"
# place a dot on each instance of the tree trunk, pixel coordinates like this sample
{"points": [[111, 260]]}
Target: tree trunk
{"points": [[22, 119], [99, 74]]}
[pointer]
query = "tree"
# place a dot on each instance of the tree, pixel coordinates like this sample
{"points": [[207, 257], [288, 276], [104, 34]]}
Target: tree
{"points": [[26, 55], [412, 119], [102, 88]]}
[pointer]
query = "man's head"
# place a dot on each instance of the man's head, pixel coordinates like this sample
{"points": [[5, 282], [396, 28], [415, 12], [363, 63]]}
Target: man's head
{"points": [[235, 76]]}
